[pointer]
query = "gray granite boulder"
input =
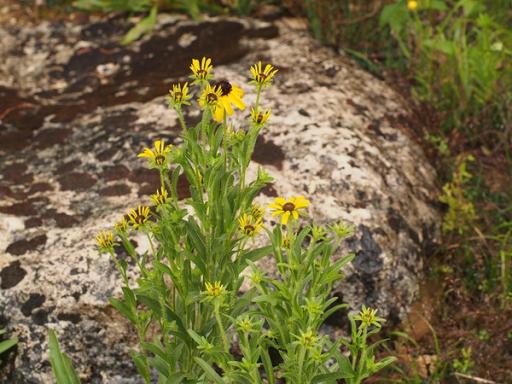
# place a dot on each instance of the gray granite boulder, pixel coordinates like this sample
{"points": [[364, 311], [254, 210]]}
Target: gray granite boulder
{"points": [[76, 107]]}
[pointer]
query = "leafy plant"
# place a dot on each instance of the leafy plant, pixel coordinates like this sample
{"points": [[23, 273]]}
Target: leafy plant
{"points": [[461, 212], [194, 323], [457, 53]]}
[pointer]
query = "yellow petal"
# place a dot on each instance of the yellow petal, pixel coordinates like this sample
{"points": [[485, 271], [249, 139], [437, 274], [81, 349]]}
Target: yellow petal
{"points": [[284, 218]]}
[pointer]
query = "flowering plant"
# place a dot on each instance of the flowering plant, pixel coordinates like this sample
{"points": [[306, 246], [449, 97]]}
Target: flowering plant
{"points": [[194, 322]]}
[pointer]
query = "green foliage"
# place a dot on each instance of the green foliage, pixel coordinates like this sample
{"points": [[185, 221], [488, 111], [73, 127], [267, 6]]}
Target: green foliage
{"points": [[5, 345], [465, 363], [187, 306], [461, 214], [61, 364], [458, 54]]}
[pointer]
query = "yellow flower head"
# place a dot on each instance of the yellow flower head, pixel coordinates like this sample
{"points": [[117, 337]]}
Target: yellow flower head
{"points": [[368, 317], [412, 5], [210, 98], [178, 95], [121, 226], [138, 216], [230, 95], [201, 69], [249, 225], [160, 197], [214, 290], [308, 339], [157, 156], [259, 118], [288, 207], [257, 211], [105, 241], [262, 77]]}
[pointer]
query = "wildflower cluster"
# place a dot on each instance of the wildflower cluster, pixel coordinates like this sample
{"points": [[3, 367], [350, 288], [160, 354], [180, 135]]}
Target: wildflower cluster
{"points": [[190, 277]]}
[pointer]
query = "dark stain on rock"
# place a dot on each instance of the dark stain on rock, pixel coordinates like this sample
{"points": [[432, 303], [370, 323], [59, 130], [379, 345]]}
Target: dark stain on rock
{"points": [[148, 176], [34, 301], [15, 173], [397, 222], [375, 127], [40, 187], [266, 32], [360, 109], [12, 275], [269, 190], [23, 246], [268, 153], [74, 318], [107, 154], [183, 187], [76, 181], [14, 140], [40, 316], [115, 172], [146, 189], [33, 222], [69, 166], [19, 209], [63, 220], [368, 251], [51, 136], [115, 190]]}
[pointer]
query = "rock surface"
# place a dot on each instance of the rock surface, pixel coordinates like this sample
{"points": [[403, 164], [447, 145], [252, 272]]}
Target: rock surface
{"points": [[76, 107]]}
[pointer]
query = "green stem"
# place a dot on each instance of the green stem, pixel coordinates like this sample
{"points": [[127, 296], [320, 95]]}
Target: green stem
{"points": [[181, 119], [221, 327]]}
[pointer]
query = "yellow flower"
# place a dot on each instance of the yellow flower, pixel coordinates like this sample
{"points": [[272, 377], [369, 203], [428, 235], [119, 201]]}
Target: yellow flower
{"points": [[121, 226], [157, 156], [259, 118], [201, 70], [249, 225], [211, 97], [288, 207], [262, 77], [308, 339], [139, 216], [257, 211], [214, 290], [412, 5], [160, 197], [368, 317], [178, 95], [105, 241], [230, 94]]}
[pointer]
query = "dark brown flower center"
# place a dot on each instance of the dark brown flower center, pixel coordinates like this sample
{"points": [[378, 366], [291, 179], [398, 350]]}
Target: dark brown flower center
{"points": [[288, 207], [178, 96], [225, 87], [159, 159], [248, 229], [211, 98], [259, 119]]}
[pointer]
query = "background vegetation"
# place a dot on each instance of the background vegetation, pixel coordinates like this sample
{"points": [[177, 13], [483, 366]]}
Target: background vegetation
{"points": [[452, 60]]}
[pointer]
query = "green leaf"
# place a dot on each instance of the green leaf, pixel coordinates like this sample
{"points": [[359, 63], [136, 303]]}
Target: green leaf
{"points": [[142, 368], [61, 364], [255, 254], [7, 344], [124, 309], [209, 371], [143, 26]]}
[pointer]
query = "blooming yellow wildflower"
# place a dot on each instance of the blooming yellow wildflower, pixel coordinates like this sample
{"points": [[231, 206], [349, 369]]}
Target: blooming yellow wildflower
{"points": [[412, 5], [157, 156], [105, 241], [201, 69], [139, 216], [160, 197], [178, 95], [262, 77], [288, 207], [249, 225], [259, 118], [214, 290], [121, 226], [211, 97], [308, 339], [230, 95]]}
